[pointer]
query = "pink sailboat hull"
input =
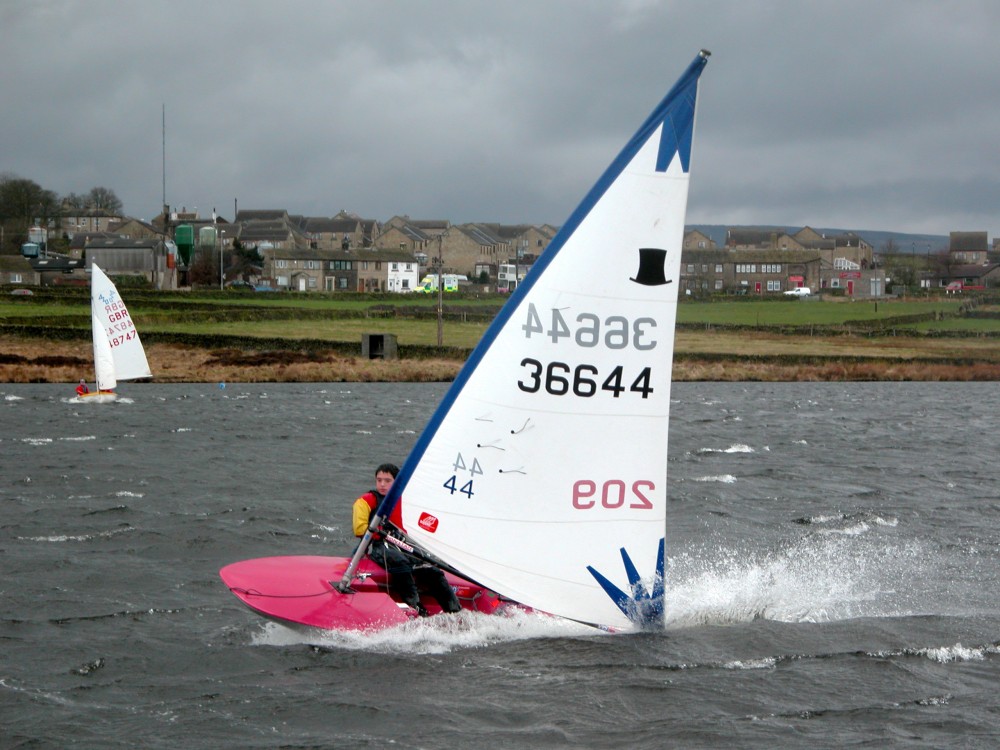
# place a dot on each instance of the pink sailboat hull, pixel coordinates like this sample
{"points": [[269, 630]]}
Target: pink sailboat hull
{"points": [[301, 590]]}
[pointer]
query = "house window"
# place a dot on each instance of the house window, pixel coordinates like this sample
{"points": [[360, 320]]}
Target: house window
{"points": [[281, 264], [718, 285], [406, 285], [312, 282], [774, 286], [312, 265], [342, 282], [704, 267], [394, 267], [718, 269], [690, 267]]}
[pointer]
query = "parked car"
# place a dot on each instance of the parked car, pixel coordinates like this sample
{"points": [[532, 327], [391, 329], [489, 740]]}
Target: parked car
{"points": [[802, 291], [22, 292]]}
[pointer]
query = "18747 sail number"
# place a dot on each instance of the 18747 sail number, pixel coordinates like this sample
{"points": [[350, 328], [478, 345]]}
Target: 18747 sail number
{"points": [[615, 331], [559, 379]]}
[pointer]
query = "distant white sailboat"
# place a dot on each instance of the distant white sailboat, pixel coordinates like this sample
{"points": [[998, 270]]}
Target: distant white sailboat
{"points": [[541, 478], [118, 352]]}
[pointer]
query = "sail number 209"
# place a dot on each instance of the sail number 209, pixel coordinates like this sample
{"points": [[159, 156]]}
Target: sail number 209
{"points": [[614, 493]]}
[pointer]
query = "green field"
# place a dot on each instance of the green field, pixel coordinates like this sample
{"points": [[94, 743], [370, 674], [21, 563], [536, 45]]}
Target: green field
{"points": [[412, 318], [808, 312]]}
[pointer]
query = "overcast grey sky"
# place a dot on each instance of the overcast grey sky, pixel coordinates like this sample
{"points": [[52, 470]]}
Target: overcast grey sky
{"points": [[841, 113]]}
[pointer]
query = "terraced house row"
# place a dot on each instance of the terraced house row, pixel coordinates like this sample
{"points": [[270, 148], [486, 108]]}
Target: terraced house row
{"points": [[349, 253]]}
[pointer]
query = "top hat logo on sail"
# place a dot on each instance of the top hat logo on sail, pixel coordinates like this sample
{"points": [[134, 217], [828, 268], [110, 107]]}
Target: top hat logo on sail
{"points": [[651, 262]]}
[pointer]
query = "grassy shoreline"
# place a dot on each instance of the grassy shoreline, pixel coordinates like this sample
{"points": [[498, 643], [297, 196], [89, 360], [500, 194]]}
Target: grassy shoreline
{"points": [[31, 360], [225, 337]]}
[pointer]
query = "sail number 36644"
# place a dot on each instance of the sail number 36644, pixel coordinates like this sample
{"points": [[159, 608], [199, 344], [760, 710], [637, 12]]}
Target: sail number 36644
{"points": [[559, 379], [589, 330]]}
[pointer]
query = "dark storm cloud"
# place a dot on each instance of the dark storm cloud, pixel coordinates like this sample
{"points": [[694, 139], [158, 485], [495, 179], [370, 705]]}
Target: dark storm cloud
{"points": [[852, 114]]}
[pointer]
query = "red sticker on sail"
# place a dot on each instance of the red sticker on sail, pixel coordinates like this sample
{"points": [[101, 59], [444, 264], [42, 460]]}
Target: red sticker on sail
{"points": [[428, 522]]}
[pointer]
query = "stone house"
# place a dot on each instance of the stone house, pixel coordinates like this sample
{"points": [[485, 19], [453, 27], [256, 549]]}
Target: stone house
{"points": [[847, 246], [309, 270], [752, 238], [269, 233], [748, 272], [477, 248], [370, 228], [295, 268], [968, 247], [525, 240], [75, 221], [408, 235], [971, 277], [135, 229], [386, 270], [16, 269], [471, 249], [332, 234], [697, 240]]}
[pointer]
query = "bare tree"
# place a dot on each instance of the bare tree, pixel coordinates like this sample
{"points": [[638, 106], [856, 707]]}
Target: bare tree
{"points": [[104, 198], [75, 202]]}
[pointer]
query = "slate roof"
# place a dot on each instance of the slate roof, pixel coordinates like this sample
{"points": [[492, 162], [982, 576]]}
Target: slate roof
{"points": [[277, 214], [483, 234], [968, 241], [320, 224]]}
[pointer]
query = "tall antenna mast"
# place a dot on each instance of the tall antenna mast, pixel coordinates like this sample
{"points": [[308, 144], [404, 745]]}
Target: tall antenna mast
{"points": [[164, 154]]}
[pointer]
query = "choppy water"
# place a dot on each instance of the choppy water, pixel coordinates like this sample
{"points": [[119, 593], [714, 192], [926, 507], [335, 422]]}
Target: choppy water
{"points": [[832, 567]]}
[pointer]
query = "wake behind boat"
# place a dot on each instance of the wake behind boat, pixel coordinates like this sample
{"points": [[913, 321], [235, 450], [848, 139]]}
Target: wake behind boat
{"points": [[541, 477], [118, 352]]}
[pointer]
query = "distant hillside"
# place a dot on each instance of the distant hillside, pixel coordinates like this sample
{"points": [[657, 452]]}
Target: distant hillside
{"points": [[905, 243]]}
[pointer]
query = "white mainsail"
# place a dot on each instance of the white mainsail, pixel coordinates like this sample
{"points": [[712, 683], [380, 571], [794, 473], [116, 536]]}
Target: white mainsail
{"points": [[118, 352], [542, 475], [104, 361]]}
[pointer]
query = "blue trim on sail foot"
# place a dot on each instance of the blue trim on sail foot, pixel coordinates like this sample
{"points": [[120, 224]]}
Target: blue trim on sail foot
{"points": [[644, 608]]}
